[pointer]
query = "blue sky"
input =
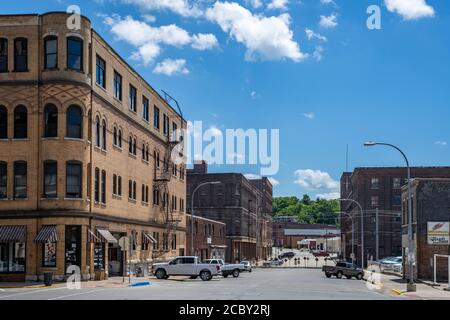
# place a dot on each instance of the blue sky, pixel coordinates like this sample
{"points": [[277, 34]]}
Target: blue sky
{"points": [[250, 64]]}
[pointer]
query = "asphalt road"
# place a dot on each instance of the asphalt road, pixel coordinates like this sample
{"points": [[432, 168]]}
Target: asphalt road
{"points": [[261, 284]]}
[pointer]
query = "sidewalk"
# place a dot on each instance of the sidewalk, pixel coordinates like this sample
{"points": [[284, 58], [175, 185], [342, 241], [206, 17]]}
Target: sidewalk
{"points": [[395, 284]]}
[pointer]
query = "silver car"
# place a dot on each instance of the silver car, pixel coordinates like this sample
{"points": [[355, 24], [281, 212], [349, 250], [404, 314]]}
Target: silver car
{"points": [[247, 266]]}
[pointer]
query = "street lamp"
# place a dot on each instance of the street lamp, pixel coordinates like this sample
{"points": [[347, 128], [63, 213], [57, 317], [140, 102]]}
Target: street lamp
{"points": [[192, 210], [362, 228], [410, 287]]}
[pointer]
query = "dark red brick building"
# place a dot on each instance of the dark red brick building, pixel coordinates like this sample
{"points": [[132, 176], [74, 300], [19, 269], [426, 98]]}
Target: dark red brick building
{"points": [[244, 205], [209, 237], [379, 191]]}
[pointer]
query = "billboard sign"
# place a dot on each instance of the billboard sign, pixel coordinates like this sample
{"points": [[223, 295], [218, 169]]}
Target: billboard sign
{"points": [[438, 233]]}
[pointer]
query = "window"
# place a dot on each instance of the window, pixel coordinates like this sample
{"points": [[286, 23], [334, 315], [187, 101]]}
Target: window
{"points": [[134, 190], [375, 183], [146, 194], [99, 256], [132, 98], [73, 179], [103, 186], [51, 52], [155, 196], [50, 121], [20, 122], [97, 132], [145, 108], [174, 127], [120, 138], [397, 183], [115, 136], [20, 55], [100, 72], [143, 151], [114, 184], [146, 153], [397, 200], [119, 186], [74, 122], [156, 237], [182, 205], [3, 55], [75, 53], [130, 189], [174, 241], [165, 125], [104, 135], [50, 179], [156, 117], [134, 146], [97, 185], [3, 122], [117, 85], [374, 201], [143, 192], [130, 145], [12, 257], [49, 254], [20, 180], [3, 180]]}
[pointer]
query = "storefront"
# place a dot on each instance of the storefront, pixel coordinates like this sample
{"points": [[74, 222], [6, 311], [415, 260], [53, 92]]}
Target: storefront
{"points": [[13, 251]]}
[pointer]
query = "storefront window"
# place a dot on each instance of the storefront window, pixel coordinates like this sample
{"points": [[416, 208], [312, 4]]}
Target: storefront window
{"points": [[12, 257], [99, 256], [73, 246], [49, 254]]}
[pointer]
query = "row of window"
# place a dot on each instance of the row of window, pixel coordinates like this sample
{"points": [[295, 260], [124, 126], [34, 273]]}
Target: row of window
{"points": [[375, 201], [132, 97], [20, 173], [74, 122], [375, 183], [74, 54]]}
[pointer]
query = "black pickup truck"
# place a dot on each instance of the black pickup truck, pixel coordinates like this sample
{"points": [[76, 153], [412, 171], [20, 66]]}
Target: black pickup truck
{"points": [[343, 268]]}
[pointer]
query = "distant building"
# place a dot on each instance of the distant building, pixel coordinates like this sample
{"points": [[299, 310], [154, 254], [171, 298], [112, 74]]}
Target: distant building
{"points": [[209, 237], [431, 220], [378, 190], [245, 206]]}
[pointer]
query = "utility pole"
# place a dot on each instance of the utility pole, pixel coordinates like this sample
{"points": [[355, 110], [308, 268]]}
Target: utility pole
{"points": [[377, 235]]}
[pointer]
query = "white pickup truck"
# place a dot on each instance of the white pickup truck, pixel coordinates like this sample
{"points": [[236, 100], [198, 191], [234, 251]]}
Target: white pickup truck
{"points": [[185, 266], [227, 269]]}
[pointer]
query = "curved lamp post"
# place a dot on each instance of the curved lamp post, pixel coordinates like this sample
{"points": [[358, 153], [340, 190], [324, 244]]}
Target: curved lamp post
{"points": [[353, 235], [192, 210], [410, 286], [362, 228]]}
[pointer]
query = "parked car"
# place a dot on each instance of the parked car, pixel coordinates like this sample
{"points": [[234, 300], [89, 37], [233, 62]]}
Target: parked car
{"points": [[227, 269], [247, 266], [343, 268], [185, 266], [286, 255], [320, 254], [392, 263]]}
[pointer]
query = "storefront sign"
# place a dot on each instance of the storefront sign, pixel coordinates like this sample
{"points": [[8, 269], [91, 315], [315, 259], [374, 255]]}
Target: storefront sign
{"points": [[438, 233]]}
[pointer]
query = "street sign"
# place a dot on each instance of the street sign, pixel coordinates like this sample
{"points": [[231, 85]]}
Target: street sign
{"points": [[124, 243]]}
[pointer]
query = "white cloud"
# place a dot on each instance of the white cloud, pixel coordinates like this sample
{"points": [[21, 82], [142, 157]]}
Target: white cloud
{"points": [[315, 179], [278, 4], [149, 18], [148, 39], [441, 143], [170, 67], [410, 9], [329, 195], [327, 2], [310, 34], [253, 95], [328, 22], [266, 38], [181, 7], [203, 41], [254, 3], [274, 181], [252, 176], [309, 115], [317, 54]]}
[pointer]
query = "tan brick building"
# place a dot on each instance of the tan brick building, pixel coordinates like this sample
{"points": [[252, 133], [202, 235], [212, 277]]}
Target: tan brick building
{"points": [[84, 155]]}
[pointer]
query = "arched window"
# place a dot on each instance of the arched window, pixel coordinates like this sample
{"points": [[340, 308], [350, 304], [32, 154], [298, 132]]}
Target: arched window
{"points": [[143, 192], [75, 53], [20, 122], [119, 185], [73, 179], [74, 122], [104, 135], [50, 52], [134, 190], [146, 194], [3, 55], [120, 138], [146, 153], [134, 146], [143, 151], [97, 132], [50, 121], [20, 55], [114, 184], [3, 180], [130, 144], [115, 136], [3, 122], [130, 189]]}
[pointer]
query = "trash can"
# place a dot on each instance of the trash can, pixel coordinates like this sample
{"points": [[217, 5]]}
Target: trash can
{"points": [[48, 279]]}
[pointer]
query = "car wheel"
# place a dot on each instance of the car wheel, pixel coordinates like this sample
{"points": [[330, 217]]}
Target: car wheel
{"points": [[161, 274], [359, 276], [339, 275], [328, 275], [236, 273], [205, 275]]}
